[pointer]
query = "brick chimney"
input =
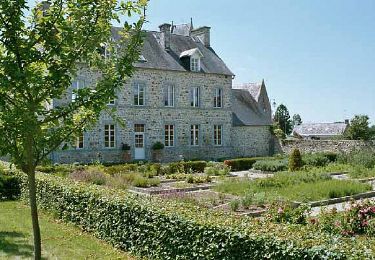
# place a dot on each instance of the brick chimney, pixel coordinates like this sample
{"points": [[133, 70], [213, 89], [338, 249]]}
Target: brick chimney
{"points": [[165, 38], [203, 34]]}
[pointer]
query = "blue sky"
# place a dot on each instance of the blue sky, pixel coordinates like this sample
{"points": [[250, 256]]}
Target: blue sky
{"points": [[316, 56]]}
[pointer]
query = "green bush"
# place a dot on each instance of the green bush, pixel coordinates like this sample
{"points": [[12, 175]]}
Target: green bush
{"points": [[241, 164], [217, 169], [143, 182], [161, 229], [316, 160], [271, 165], [194, 166], [295, 160], [358, 158], [9, 187]]}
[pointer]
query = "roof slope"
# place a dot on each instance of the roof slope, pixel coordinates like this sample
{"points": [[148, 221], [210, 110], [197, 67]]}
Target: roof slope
{"points": [[251, 105], [320, 129], [156, 57]]}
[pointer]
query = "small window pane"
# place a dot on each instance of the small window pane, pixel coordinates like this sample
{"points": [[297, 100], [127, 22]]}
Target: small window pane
{"points": [[169, 135], [194, 135]]}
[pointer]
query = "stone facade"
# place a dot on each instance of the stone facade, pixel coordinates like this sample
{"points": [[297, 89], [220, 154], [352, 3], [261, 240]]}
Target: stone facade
{"points": [[314, 146], [167, 61]]}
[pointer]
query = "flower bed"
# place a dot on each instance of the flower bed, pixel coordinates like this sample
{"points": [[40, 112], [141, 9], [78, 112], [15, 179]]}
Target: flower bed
{"points": [[159, 229]]}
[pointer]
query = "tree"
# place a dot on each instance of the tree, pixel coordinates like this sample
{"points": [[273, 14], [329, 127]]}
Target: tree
{"points": [[296, 120], [372, 132], [295, 160], [40, 54], [359, 128], [282, 118]]}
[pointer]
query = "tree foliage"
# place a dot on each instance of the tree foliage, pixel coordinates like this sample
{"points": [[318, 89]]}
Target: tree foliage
{"points": [[42, 49], [297, 120], [282, 118], [359, 128]]}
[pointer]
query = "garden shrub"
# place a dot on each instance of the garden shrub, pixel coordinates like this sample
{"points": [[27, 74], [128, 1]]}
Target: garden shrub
{"points": [[241, 164], [217, 169], [9, 186], [194, 166], [143, 182], [285, 212], [161, 229], [331, 156], [358, 158], [358, 219], [271, 165], [295, 160], [91, 175], [316, 160]]}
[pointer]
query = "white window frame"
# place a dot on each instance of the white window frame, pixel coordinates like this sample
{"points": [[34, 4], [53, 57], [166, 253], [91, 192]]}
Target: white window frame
{"points": [[137, 90], [77, 85], [169, 133], [169, 96], [218, 98], [111, 102], [194, 135], [195, 97], [110, 133], [218, 135], [195, 64], [80, 140]]}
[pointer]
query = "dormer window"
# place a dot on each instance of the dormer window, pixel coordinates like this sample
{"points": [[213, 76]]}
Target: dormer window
{"points": [[195, 64], [191, 59]]}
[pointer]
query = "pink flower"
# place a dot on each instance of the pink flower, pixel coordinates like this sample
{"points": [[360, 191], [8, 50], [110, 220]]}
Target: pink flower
{"points": [[364, 223], [280, 211], [337, 223]]}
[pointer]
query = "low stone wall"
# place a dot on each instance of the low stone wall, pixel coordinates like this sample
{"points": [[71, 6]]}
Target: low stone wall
{"points": [[314, 146]]}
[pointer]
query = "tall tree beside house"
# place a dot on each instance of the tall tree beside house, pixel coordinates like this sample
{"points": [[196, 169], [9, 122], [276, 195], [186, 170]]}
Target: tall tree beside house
{"points": [[359, 128], [372, 132], [40, 54], [282, 118], [297, 120]]}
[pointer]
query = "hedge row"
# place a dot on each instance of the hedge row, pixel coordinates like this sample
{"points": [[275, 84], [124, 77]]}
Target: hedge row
{"points": [[9, 187], [160, 229], [243, 164]]}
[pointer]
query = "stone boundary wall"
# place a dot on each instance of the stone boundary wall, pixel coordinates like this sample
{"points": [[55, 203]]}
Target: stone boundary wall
{"points": [[314, 146]]}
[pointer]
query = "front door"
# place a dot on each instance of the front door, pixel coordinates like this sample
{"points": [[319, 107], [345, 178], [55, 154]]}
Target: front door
{"points": [[139, 142]]}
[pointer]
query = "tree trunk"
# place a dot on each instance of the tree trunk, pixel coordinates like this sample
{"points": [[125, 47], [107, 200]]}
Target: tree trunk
{"points": [[34, 216]]}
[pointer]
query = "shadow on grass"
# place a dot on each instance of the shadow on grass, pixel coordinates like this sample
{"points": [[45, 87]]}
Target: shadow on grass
{"points": [[15, 244]]}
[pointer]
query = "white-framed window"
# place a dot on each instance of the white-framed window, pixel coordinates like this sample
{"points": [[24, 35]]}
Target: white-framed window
{"points": [[194, 96], [218, 135], [218, 98], [111, 102], [80, 141], [194, 135], [195, 64], [169, 135], [77, 85], [169, 96], [109, 136], [139, 94]]}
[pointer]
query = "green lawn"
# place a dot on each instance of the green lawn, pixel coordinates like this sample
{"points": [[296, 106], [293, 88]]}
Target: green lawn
{"points": [[59, 240], [301, 186]]}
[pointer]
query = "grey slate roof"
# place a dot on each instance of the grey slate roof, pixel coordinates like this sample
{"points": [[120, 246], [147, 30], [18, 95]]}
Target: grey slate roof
{"points": [[251, 105], [158, 58], [320, 129], [182, 29]]}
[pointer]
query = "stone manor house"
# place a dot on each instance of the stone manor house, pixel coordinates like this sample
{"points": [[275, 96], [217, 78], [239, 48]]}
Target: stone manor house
{"points": [[181, 94]]}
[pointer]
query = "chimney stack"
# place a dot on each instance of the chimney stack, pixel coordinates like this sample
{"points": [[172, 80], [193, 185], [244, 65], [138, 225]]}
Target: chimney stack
{"points": [[165, 30], [203, 34]]}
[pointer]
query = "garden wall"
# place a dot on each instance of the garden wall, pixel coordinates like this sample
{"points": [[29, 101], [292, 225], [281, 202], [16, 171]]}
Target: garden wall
{"points": [[313, 146]]}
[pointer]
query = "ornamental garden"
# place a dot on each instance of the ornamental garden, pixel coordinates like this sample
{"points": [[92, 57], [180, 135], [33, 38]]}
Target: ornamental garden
{"points": [[277, 207]]}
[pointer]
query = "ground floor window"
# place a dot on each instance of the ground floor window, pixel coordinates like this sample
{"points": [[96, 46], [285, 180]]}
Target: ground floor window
{"points": [[169, 135], [109, 136], [194, 135], [80, 141], [218, 135]]}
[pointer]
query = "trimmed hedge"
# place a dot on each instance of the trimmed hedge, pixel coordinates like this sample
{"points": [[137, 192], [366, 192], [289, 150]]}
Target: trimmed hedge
{"points": [[9, 187], [187, 167], [240, 164], [160, 229]]}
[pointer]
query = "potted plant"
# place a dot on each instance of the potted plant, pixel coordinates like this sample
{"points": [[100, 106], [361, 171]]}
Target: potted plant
{"points": [[157, 151], [127, 155]]}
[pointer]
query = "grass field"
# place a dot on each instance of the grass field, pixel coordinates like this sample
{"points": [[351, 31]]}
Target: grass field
{"points": [[59, 240], [302, 187]]}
